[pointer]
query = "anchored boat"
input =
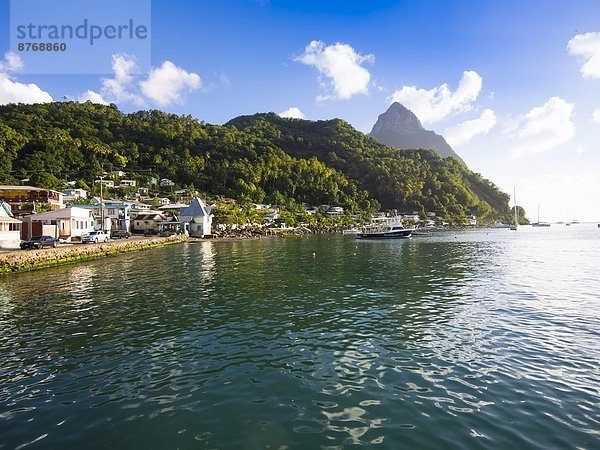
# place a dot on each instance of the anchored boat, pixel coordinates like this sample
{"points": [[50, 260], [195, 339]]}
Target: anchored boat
{"points": [[385, 228]]}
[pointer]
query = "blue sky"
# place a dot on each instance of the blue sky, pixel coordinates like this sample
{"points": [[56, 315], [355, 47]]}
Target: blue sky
{"points": [[513, 85]]}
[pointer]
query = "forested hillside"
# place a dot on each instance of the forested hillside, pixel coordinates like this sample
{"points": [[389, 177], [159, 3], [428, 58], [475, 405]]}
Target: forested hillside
{"points": [[262, 158]]}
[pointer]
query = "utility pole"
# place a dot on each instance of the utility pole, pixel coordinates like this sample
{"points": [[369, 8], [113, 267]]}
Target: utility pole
{"points": [[101, 204]]}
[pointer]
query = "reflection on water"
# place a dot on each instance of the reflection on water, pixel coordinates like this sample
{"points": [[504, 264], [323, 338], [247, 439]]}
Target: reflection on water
{"points": [[458, 339]]}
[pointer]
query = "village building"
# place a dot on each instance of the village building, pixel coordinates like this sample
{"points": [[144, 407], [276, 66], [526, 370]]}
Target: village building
{"points": [[73, 194], [65, 224], [19, 196], [106, 183], [10, 228], [148, 222], [116, 215], [127, 183], [198, 217]]}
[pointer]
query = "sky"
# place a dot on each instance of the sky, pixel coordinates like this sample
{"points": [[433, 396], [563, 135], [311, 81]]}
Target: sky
{"points": [[513, 85]]}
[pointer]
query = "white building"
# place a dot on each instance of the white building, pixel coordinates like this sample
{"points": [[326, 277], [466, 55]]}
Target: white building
{"points": [[10, 228], [117, 215], [72, 194], [148, 222], [127, 183], [472, 220], [70, 223], [335, 211], [411, 217], [106, 183], [199, 218]]}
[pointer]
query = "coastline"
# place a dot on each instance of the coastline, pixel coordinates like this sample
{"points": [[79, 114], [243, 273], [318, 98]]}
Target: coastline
{"points": [[27, 260]]}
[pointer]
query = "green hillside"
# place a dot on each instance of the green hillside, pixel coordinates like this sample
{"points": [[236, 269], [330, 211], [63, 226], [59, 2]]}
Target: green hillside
{"points": [[262, 158]]}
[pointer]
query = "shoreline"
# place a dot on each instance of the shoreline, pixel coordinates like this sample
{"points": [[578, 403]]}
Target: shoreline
{"points": [[28, 260], [18, 261]]}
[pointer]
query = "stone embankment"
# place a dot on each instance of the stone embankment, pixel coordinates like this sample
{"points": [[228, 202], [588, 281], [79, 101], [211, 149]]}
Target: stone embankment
{"points": [[23, 260]]}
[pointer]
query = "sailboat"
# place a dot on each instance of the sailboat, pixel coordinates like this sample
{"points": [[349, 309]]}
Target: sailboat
{"points": [[538, 223], [515, 226]]}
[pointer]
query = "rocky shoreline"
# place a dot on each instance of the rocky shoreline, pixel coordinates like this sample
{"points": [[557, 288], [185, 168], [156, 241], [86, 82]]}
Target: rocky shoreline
{"points": [[22, 261]]}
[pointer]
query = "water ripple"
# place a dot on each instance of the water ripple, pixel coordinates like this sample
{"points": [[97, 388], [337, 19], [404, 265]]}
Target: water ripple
{"points": [[454, 340]]}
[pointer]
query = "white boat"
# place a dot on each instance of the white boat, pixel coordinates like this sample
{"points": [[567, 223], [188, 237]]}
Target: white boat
{"points": [[350, 231], [499, 224], [385, 228]]}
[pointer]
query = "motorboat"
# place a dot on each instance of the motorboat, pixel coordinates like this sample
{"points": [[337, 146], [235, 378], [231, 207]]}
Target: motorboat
{"points": [[385, 228]]}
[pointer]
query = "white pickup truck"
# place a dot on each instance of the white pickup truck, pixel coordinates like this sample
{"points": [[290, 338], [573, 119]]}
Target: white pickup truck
{"points": [[95, 236]]}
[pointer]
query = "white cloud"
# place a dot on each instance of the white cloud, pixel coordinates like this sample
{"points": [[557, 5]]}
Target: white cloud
{"points": [[164, 85], [544, 127], [119, 88], [93, 97], [341, 65], [596, 115], [293, 113], [465, 131], [167, 83], [435, 104], [11, 62], [14, 92], [587, 46]]}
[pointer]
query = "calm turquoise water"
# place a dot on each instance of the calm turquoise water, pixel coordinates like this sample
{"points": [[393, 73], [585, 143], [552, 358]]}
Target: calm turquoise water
{"points": [[480, 339]]}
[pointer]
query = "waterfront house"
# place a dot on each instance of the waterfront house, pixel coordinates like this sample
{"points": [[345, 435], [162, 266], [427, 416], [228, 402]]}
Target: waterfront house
{"points": [[198, 216], [148, 222], [66, 224], [117, 215], [19, 196], [472, 220], [269, 219], [10, 228]]}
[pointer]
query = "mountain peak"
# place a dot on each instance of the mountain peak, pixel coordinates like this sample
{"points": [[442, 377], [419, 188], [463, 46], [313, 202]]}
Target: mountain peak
{"points": [[399, 127], [397, 118]]}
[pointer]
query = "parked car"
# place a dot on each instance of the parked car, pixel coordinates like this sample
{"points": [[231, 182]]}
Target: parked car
{"points": [[120, 234], [95, 236], [149, 232], [39, 242]]}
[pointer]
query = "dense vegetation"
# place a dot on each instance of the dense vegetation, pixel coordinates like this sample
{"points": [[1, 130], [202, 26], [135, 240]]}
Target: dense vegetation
{"points": [[261, 158]]}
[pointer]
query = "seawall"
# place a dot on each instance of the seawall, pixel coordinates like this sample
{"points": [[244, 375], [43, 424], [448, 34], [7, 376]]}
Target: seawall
{"points": [[25, 260]]}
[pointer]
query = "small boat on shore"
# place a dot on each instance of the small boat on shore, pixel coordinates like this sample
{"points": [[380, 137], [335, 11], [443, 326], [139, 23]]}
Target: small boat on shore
{"points": [[350, 231], [385, 228]]}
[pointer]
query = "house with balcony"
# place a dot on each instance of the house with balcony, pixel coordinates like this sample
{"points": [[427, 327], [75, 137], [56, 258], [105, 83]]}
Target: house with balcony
{"points": [[110, 215], [10, 227], [19, 196]]}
